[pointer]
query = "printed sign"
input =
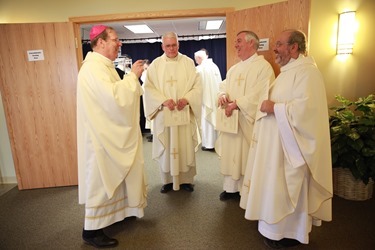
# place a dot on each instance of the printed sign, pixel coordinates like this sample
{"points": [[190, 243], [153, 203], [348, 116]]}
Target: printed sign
{"points": [[264, 44], [35, 55]]}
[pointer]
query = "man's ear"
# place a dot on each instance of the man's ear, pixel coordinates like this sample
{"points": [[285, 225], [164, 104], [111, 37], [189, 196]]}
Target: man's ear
{"points": [[294, 46], [101, 42]]}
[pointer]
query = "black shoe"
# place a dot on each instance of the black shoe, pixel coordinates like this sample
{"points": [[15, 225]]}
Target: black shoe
{"points": [[187, 187], [166, 188], [149, 138], [208, 149], [283, 243], [98, 239], [228, 196]]}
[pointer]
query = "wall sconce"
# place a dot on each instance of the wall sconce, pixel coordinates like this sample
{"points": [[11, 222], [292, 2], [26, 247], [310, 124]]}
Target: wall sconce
{"points": [[345, 33]]}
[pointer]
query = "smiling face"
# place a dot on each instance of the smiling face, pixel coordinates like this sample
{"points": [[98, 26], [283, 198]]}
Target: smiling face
{"points": [[284, 50], [244, 48], [112, 45], [109, 45]]}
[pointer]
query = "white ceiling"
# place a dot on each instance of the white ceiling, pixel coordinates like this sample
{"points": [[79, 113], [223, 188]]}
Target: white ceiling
{"points": [[183, 27]]}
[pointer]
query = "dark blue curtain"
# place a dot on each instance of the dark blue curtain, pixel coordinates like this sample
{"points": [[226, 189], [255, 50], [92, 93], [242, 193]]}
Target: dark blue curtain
{"points": [[215, 47]]}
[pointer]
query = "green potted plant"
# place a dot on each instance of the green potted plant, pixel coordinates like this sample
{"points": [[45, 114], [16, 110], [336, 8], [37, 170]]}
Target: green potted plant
{"points": [[352, 128]]}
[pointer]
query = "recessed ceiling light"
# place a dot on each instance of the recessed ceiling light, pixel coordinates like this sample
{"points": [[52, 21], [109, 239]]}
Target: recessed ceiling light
{"points": [[213, 24], [139, 29], [202, 25]]}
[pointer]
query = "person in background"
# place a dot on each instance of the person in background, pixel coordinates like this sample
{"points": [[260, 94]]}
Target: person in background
{"points": [[120, 72], [111, 177], [241, 90], [172, 83], [146, 64], [145, 121], [211, 78], [288, 180]]}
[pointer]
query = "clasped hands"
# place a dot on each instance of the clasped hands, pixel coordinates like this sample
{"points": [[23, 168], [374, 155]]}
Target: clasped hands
{"points": [[171, 104], [225, 103], [267, 106]]}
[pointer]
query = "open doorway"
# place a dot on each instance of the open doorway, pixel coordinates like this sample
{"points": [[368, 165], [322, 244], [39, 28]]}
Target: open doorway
{"points": [[192, 37], [137, 17], [135, 47]]}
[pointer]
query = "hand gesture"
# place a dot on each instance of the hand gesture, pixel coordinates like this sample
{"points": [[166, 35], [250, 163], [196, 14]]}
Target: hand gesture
{"points": [[137, 68]]}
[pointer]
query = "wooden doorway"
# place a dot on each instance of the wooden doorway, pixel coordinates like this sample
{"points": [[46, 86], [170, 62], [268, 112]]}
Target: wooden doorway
{"points": [[40, 102]]}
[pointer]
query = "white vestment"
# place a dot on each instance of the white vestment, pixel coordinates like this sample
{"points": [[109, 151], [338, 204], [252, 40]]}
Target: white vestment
{"points": [[174, 147], [112, 182], [288, 180], [210, 78], [244, 83]]}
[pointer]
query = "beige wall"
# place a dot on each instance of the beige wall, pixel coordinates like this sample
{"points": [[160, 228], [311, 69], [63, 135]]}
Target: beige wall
{"points": [[352, 76], [59, 11]]}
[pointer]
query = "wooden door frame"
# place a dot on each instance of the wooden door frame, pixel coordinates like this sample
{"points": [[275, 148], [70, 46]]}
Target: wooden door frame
{"points": [[158, 15]]}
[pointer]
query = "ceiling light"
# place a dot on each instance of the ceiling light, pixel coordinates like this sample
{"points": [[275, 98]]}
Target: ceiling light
{"points": [[139, 29], [153, 40], [202, 25], [213, 24]]}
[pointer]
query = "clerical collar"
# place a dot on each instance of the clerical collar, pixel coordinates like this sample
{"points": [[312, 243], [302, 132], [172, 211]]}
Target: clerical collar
{"points": [[172, 59], [293, 59], [251, 57]]}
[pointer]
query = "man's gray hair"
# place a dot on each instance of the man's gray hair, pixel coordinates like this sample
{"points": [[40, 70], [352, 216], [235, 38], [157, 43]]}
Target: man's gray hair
{"points": [[249, 35], [169, 35], [298, 37]]}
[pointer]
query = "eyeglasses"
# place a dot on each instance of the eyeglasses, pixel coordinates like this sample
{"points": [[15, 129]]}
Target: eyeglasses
{"points": [[114, 40], [170, 46], [278, 44]]}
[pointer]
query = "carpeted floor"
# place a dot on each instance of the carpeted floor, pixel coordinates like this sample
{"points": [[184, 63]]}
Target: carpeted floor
{"points": [[52, 219]]}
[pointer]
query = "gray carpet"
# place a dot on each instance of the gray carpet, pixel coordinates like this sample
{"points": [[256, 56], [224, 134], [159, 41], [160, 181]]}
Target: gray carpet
{"points": [[52, 219]]}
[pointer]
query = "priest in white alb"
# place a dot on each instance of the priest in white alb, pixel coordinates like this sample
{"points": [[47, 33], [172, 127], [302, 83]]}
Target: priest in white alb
{"points": [[240, 92], [210, 78], [288, 180], [173, 101], [111, 177]]}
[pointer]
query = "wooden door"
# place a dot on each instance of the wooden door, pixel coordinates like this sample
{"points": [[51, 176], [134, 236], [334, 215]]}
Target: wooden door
{"points": [[267, 21], [39, 99]]}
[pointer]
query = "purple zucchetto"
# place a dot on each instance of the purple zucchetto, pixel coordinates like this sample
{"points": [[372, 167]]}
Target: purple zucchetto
{"points": [[96, 31]]}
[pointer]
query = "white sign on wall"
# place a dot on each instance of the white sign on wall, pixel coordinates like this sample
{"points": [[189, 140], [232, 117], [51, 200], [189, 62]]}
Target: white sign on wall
{"points": [[35, 55], [264, 44]]}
